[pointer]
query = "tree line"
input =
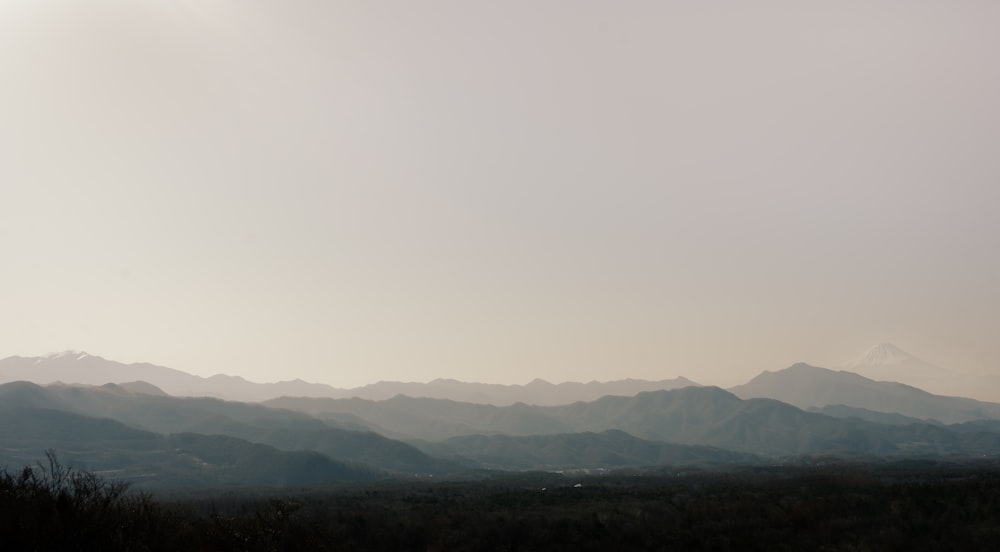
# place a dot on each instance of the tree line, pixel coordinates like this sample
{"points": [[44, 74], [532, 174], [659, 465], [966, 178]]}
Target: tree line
{"points": [[918, 506]]}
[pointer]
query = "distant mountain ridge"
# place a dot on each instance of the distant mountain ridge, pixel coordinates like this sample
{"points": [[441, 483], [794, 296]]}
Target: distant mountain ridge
{"points": [[887, 362], [704, 416], [537, 392], [807, 386], [77, 367], [188, 441], [83, 368]]}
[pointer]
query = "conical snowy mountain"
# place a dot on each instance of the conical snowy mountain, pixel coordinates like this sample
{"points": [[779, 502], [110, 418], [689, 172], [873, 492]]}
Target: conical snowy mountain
{"points": [[887, 362], [885, 353]]}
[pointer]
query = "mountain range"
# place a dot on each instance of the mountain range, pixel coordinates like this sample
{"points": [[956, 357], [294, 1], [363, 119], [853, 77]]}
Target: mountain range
{"points": [[537, 392], [137, 430], [165, 415], [83, 368], [882, 362], [702, 416], [161, 440]]}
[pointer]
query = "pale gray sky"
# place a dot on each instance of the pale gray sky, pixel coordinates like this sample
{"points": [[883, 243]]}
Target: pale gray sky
{"points": [[496, 191]]}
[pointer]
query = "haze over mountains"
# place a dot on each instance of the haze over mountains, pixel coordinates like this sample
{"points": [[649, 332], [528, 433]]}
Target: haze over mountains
{"points": [[882, 362], [886, 362], [161, 427], [808, 386], [84, 368], [171, 441], [706, 416]]}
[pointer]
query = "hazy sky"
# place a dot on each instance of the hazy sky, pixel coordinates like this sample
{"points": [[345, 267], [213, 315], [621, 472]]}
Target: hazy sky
{"points": [[496, 191]]}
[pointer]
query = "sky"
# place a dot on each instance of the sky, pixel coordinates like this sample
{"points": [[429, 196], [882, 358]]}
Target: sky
{"points": [[347, 192]]}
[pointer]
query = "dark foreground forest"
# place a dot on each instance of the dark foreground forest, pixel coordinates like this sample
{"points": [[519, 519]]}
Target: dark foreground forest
{"points": [[910, 505]]}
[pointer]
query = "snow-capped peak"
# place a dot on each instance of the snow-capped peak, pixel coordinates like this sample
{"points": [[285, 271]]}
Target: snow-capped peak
{"points": [[886, 362], [883, 354], [78, 355]]}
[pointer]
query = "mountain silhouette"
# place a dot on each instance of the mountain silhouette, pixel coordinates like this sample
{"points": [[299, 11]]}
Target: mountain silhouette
{"points": [[808, 386], [155, 461], [77, 367], [83, 368], [887, 362], [252, 422], [706, 416]]}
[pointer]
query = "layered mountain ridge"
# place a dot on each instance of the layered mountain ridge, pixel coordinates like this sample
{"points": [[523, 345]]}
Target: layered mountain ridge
{"points": [[139, 430], [808, 386], [83, 368]]}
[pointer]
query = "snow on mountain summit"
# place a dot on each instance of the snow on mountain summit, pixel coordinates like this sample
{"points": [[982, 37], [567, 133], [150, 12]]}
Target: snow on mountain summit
{"points": [[886, 362], [64, 355], [883, 354]]}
